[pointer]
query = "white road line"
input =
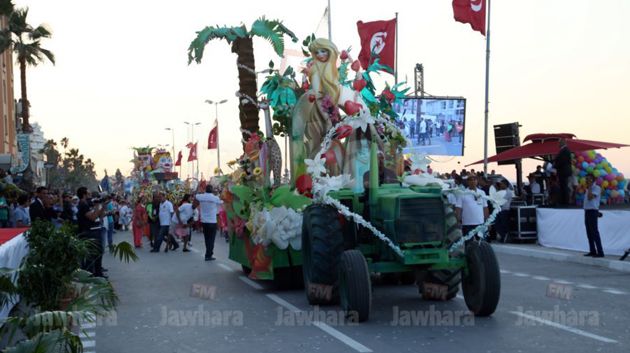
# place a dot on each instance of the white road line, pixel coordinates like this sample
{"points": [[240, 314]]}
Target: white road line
{"points": [[586, 286], [343, 338], [194, 250], [614, 291], [565, 328], [251, 283], [88, 325], [541, 278], [284, 303], [226, 267], [561, 281], [90, 334], [459, 296], [520, 274], [505, 271], [322, 326], [89, 344]]}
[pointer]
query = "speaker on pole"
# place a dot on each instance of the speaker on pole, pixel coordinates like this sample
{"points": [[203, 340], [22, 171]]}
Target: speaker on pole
{"points": [[506, 137]]}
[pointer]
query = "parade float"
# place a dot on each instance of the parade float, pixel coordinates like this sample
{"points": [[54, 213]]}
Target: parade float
{"points": [[348, 211]]}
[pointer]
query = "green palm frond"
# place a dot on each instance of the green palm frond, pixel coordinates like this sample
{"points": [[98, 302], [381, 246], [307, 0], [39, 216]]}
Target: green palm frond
{"points": [[61, 341], [198, 45], [124, 251], [40, 32], [8, 290], [273, 31]]}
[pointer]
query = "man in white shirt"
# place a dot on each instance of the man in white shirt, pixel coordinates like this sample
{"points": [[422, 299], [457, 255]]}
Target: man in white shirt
{"points": [[502, 224], [470, 207], [422, 135], [208, 209], [591, 214], [165, 214]]}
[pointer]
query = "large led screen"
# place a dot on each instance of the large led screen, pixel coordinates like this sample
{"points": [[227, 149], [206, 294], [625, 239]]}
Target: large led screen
{"points": [[434, 126]]}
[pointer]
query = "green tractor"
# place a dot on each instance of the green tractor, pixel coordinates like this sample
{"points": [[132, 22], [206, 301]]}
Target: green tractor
{"points": [[340, 258]]}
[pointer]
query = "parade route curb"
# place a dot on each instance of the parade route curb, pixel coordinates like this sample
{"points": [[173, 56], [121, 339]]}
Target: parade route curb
{"points": [[612, 263]]}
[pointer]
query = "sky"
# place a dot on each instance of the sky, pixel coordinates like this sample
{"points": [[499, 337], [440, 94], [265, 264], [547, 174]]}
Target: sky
{"points": [[121, 75]]}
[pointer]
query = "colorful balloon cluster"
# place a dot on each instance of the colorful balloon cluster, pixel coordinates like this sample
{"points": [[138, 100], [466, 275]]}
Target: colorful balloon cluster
{"points": [[612, 182]]}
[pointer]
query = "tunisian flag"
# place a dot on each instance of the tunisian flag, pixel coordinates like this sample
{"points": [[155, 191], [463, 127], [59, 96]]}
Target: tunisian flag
{"points": [[213, 138], [378, 40], [179, 159], [471, 11], [192, 154]]}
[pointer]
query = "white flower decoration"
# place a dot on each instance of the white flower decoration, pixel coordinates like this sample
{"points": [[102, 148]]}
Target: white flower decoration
{"points": [[316, 167], [327, 184], [361, 122]]}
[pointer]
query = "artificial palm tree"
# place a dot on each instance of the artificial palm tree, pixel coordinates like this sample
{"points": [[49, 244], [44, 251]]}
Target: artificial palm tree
{"points": [[241, 40], [26, 43]]}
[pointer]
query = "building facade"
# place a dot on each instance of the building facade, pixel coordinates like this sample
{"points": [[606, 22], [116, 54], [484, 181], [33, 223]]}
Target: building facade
{"points": [[8, 121]]}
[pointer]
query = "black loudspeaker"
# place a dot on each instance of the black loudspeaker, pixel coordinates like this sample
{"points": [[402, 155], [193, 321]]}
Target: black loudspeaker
{"points": [[506, 137]]}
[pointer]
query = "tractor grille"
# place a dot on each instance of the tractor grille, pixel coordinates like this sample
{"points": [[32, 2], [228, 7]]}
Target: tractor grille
{"points": [[420, 220]]}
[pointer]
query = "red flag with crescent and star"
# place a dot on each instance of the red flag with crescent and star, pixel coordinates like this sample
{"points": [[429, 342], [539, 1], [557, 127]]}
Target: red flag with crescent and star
{"points": [[378, 40], [192, 154], [213, 138], [179, 159], [472, 12]]}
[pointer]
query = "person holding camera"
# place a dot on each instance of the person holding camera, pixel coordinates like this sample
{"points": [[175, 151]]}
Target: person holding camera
{"points": [[591, 213], [88, 218]]}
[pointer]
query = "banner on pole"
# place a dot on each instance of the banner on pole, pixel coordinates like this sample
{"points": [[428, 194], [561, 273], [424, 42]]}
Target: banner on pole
{"points": [[378, 40], [472, 12]]}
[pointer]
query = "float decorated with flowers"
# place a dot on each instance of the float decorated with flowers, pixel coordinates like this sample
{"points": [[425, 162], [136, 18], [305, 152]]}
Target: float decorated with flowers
{"points": [[348, 210]]}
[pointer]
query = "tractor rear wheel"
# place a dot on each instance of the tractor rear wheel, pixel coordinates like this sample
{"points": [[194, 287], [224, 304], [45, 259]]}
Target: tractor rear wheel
{"points": [[482, 282], [449, 279], [322, 244], [355, 289]]}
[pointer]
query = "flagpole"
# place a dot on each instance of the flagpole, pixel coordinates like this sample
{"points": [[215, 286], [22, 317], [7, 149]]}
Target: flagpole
{"points": [[485, 120], [396, 53], [216, 114], [329, 23]]}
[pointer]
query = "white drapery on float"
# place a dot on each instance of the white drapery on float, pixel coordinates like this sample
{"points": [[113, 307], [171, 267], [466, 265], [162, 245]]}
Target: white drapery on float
{"points": [[11, 255]]}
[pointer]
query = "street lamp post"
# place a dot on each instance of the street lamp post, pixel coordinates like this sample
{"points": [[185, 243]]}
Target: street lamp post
{"points": [[192, 135], [172, 130], [216, 114]]}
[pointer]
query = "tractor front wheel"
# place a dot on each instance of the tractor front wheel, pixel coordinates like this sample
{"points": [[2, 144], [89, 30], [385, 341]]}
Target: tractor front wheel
{"points": [[322, 244], [355, 289], [482, 282]]}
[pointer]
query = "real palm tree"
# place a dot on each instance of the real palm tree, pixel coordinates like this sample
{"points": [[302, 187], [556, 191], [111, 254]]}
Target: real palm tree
{"points": [[26, 43], [241, 40]]}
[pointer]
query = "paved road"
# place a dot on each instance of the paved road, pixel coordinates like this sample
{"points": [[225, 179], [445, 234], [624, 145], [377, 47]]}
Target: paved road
{"points": [[176, 302]]}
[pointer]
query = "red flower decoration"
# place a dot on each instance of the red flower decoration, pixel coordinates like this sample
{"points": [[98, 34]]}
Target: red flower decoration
{"points": [[352, 108], [343, 131], [304, 184], [359, 84], [388, 95], [356, 66]]}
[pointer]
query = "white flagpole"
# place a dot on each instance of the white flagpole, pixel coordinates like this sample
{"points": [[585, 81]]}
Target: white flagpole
{"points": [[329, 23], [485, 121], [396, 53]]}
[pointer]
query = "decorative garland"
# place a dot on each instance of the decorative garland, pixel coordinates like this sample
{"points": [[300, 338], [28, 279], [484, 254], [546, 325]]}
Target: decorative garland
{"points": [[323, 184]]}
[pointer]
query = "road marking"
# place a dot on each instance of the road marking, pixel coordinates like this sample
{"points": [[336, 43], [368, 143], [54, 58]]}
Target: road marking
{"points": [[505, 271], [565, 328], [251, 283], [520, 274], [343, 338], [322, 326], [226, 267], [194, 250], [614, 291], [541, 278], [88, 344], [586, 286], [459, 296], [284, 303], [561, 281]]}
